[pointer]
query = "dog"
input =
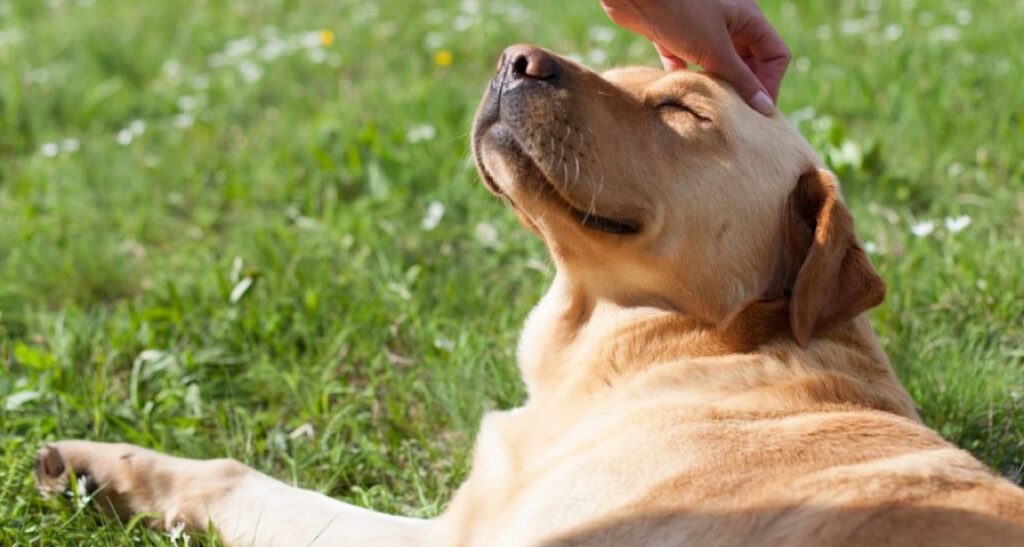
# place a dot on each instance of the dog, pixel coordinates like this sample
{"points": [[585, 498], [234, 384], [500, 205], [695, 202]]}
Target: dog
{"points": [[701, 371]]}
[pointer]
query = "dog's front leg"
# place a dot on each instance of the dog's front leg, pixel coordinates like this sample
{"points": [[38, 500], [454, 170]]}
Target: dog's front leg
{"points": [[244, 506]]}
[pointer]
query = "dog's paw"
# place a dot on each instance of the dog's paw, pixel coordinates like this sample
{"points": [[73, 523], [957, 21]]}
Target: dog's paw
{"points": [[124, 480], [104, 473], [51, 471]]}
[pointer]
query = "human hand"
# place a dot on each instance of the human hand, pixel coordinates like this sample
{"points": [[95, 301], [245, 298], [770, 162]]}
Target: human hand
{"points": [[730, 39]]}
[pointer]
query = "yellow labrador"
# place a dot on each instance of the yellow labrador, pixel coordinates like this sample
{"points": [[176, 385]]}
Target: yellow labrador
{"points": [[700, 372]]}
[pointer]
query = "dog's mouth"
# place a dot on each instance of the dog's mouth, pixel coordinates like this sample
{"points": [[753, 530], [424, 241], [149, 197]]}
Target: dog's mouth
{"points": [[604, 224], [514, 151]]}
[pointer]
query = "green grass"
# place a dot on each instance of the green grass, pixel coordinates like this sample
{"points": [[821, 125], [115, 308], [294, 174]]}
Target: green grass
{"points": [[118, 262]]}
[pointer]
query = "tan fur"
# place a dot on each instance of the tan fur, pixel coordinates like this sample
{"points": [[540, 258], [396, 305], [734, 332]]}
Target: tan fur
{"points": [[708, 380]]}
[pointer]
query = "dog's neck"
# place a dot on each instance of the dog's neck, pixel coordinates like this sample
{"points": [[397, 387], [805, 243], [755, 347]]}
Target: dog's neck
{"points": [[574, 344]]}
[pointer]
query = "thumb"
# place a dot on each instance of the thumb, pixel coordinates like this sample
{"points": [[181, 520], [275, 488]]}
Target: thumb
{"points": [[732, 69]]}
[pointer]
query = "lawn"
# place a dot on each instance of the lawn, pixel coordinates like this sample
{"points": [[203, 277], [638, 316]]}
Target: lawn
{"points": [[252, 228]]}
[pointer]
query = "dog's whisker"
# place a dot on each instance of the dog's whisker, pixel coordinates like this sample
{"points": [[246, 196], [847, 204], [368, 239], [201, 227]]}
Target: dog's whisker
{"points": [[576, 178]]}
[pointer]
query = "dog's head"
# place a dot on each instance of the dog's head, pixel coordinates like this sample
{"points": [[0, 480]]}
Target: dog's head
{"points": [[666, 189]]}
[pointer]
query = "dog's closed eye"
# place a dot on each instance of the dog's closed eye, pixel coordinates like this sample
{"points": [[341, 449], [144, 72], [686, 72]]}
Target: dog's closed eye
{"points": [[671, 104]]}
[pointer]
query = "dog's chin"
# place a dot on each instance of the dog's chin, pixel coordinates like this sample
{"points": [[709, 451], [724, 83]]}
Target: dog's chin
{"points": [[495, 140], [521, 177]]}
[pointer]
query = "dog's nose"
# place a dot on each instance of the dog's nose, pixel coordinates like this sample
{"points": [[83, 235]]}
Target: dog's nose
{"points": [[529, 62]]}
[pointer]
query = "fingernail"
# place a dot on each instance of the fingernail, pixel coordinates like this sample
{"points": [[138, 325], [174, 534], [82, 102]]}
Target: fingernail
{"points": [[762, 103]]}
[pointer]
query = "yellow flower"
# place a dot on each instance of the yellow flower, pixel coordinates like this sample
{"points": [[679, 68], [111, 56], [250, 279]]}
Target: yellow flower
{"points": [[443, 58], [326, 37]]}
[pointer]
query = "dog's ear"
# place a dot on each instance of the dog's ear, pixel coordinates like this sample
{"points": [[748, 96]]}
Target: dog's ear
{"points": [[830, 276]]}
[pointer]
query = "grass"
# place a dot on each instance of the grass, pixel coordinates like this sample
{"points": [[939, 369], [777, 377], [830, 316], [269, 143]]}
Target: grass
{"points": [[259, 256]]}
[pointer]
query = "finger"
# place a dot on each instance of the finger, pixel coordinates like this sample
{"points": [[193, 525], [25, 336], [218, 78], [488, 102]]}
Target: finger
{"points": [[758, 37], [728, 65], [624, 15], [770, 72], [748, 58], [670, 60]]}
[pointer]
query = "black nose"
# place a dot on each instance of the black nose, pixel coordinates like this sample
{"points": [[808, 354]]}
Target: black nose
{"points": [[529, 62]]}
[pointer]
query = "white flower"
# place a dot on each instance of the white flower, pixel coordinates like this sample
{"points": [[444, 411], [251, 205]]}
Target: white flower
{"points": [[486, 234], [871, 247], [184, 121], [310, 39], [137, 127], [964, 16], [469, 7], [822, 124], [849, 153], [236, 269], [70, 145], [82, 497], [956, 224], [250, 71], [172, 69], [955, 170], [177, 533], [19, 398], [273, 49], [435, 211], [923, 228], [803, 64], [240, 48], [597, 56], [399, 290], [802, 115], [421, 132], [124, 137], [515, 13], [855, 26], [601, 34], [187, 103], [892, 32], [49, 149], [239, 290], [946, 33], [462, 22], [317, 55], [434, 40], [444, 344], [305, 430], [133, 248]]}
